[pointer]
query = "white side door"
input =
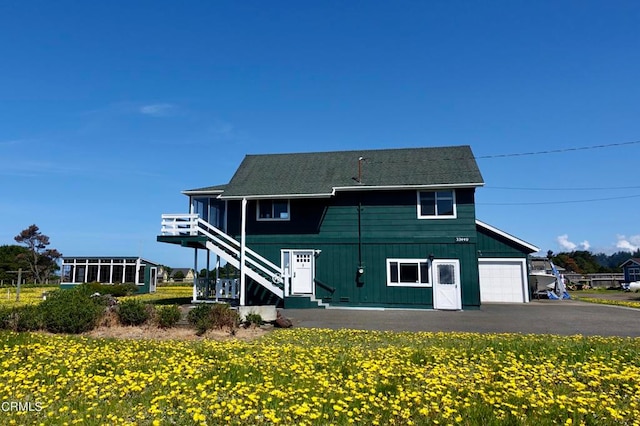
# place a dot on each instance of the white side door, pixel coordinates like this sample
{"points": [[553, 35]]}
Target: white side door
{"points": [[447, 294], [302, 272], [153, 279]]}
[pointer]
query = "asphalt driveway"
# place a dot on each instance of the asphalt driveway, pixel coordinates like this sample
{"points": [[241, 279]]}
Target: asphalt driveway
{"points": [[564, 317]]}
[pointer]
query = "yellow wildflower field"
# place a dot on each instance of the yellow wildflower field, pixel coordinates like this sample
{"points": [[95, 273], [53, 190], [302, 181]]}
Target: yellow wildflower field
{"points": [[32, 295], [317, 376], [626, 303]]}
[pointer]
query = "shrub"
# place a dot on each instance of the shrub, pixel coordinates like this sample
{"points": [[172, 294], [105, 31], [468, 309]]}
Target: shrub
{"points": [[224, 317], [134, 312], [220, 315], [253, 319], [6, 318], [28, 318], [168, 316], [116, 290], [199, 317], [70, 311]]}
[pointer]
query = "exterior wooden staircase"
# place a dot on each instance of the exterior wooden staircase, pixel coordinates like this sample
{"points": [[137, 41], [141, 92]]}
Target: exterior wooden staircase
{"points": [[256, 267]]}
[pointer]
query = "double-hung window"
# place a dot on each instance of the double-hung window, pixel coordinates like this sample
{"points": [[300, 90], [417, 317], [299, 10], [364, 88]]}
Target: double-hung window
{"points": [[408, 273], [634, 274], [273, 210], [437, 204]]}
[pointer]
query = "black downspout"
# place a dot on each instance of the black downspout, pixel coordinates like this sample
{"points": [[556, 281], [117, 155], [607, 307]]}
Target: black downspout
{"points": [[359, 233], [360, 270]]}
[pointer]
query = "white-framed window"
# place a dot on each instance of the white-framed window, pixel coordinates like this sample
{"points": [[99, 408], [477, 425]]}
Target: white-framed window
{"points": [[437, 204], [634, 274], [408, 273], [273, 210]]}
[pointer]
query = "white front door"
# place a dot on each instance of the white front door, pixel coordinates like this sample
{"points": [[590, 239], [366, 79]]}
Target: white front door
{"points": [[302, 272], [446, 284]]}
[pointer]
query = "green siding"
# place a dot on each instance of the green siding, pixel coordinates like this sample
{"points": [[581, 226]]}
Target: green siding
{"points": [[389, 228]]}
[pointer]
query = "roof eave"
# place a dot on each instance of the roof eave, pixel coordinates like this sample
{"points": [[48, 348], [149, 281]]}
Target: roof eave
{"points": [[400, 187], [632, 260], [208, 192], [274, 196], [350, 188]]}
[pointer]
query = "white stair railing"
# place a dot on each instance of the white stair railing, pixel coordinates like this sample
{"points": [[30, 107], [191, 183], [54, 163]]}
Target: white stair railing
{"points": [[260, 269]]}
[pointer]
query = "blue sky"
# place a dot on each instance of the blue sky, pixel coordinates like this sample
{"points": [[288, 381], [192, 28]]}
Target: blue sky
{"points": [[108, 109]]}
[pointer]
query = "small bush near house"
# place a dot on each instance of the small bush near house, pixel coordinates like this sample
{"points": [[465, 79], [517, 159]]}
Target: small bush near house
{"points": [[134, 312], [199, 317], [220, 315], [6, 318], [28, 318], [224, 317], [253, 319], [116, 290], [69, 311], [23, 318], [168, 316]]}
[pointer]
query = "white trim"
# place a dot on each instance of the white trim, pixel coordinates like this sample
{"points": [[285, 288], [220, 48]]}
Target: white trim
{"points": [[272, 219], [437, 216], [210, 192], [287, 276], [507, 236], [335, 189], [525, 276], [632, 260], [402, 284], [417, 186], [275, 196]]}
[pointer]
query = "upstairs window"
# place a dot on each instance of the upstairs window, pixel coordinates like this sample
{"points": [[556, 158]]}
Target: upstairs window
{"points": [[436, 204], [408, 273], [273, 210]]}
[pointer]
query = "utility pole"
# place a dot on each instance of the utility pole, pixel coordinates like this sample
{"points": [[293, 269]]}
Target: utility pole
{"points": [[19, 272]]}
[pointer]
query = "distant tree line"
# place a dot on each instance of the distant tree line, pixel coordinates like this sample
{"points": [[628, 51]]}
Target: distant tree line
{"points": [[585, 262], [225, 271]]}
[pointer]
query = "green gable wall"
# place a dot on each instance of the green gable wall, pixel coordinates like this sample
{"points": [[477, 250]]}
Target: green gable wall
{"points": [[493, 245]]}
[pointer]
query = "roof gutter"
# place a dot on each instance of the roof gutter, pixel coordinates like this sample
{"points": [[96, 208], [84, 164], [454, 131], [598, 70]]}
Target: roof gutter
{"points": [[349, 188], [210, 192], [395, 187]]}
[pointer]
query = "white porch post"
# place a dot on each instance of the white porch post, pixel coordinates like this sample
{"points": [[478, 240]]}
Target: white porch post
{"points": [[243, 242], [136, 279], [195, 275]]}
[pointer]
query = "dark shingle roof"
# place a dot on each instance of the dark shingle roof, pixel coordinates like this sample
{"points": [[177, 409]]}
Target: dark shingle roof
{"points": [[319, 173], [634, 260]]}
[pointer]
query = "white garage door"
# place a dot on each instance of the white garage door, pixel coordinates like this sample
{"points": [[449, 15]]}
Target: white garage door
{"points": [[503, 280]]}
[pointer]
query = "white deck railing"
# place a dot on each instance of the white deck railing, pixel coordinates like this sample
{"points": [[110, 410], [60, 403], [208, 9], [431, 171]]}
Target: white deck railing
{"points": [[179, 224]]}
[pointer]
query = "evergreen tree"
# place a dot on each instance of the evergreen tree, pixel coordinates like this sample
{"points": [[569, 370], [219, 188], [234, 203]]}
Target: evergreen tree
{"points": [[41, 260]]}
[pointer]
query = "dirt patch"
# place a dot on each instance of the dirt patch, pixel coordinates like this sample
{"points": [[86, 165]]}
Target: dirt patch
{"points": [[175, 333]]}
